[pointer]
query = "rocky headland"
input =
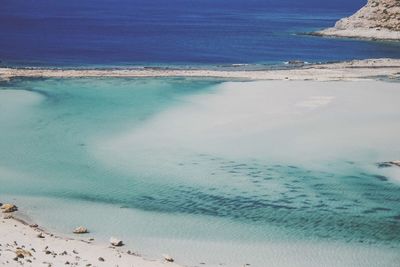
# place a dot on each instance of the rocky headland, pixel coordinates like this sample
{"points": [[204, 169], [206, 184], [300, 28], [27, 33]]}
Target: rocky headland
{"points": [[378, 19]]}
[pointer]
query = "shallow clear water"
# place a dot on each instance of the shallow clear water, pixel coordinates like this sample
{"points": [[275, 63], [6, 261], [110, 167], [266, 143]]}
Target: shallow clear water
{"points": [[284, 172]]}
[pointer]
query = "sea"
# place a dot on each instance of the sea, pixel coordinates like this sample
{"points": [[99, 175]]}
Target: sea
{"points": [[182, 33], [214, 172]]}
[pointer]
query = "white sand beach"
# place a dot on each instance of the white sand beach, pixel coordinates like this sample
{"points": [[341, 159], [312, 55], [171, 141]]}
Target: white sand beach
{"points": [[22, 244]]}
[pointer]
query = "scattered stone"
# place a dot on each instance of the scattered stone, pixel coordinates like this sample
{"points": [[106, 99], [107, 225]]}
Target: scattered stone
{"points": [[40, 235], [168, 258], [34, 225], [81, 230], [101, 259], [8, 216], [22, 253], [75, 252], [7, 208], [116, 242]]}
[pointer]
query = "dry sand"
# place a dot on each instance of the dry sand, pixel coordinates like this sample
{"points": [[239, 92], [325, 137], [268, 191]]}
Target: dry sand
{"points": [[54, 250]]}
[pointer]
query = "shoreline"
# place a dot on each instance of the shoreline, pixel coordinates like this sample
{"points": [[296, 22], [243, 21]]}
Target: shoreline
{"points": [[26, 243], [361, 34], [346, 70]]}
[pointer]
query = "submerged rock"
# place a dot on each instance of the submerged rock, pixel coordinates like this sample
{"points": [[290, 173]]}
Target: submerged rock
{"points": [[80, 230], [7, 208], [393, 163], [116, 242]]}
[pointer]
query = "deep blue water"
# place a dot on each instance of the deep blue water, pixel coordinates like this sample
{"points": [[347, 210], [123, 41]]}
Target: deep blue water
{"points": [[180, 32]]}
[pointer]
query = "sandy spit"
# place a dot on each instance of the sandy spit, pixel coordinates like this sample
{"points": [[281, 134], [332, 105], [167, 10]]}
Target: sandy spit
{"points": [[349, 70]]}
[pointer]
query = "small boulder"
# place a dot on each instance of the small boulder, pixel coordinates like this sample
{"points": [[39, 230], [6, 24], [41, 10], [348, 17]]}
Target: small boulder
{"points": [[81, 230], [40, 235], [101, 259], [116, 242], [7, 208], [22, 253], [168, 258]]}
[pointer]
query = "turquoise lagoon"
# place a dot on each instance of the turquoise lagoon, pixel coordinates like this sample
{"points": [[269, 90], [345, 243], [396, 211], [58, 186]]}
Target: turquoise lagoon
{"points": [[218, 172]]}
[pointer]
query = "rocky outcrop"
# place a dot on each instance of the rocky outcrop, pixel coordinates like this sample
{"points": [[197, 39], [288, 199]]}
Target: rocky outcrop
{"points": [[378, 19], [7, 208], [81, 230], [116, 242]]}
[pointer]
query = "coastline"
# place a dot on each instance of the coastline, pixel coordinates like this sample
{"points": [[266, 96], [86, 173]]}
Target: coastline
{"points": [[376, 20], [366, 34], [24, 243], [346, 70]]}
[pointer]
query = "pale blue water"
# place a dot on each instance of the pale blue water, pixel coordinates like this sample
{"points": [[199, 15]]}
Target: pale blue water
{"points": [[163, 159]]}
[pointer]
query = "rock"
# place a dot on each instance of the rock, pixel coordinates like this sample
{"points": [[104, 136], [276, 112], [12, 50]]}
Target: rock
{"points": [[22, 253], [116, 242], [8, 216], [378, 19], [34, 225], [296, 62], [40, 235], [101, 259], [168, 258], [7, 208], [393, 163], [81, 230]]}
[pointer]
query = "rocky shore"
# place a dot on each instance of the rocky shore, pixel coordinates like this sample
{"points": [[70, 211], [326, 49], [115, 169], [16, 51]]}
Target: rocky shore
{"points": [[23, 244], [349, 70], [378, 19]]}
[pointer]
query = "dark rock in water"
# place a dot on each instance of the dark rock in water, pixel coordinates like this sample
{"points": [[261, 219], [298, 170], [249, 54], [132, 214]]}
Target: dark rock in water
{"points": [[380, 177], [386, 164], [296, 62]]}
